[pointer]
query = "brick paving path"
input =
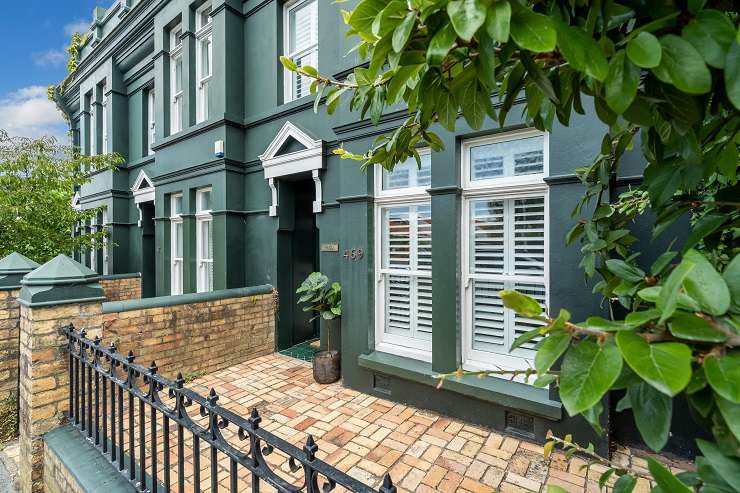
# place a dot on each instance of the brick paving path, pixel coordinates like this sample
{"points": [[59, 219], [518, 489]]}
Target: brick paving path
{"points": [[366, 436]]}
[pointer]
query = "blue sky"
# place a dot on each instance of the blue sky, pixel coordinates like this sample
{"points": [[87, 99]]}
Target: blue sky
{"points": [[34, 34]]}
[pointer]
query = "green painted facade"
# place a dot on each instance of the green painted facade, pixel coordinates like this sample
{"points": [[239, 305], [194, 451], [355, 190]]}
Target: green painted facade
{"points": [[130, 56]]}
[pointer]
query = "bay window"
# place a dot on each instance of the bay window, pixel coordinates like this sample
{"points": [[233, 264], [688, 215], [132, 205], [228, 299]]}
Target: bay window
{"points": [[204, 240], [404, 260], [176, 244], [504, 243], [302, 41], [203, 59], [176, 74]]}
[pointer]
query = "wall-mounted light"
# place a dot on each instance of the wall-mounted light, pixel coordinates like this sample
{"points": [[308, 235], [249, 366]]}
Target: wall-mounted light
{"points": [[218, 148]]}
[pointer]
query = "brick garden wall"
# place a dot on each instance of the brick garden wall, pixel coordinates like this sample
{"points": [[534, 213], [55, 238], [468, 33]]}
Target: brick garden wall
{"points": [[120, 288], [195, 337], [57, 476], [9, 350]]}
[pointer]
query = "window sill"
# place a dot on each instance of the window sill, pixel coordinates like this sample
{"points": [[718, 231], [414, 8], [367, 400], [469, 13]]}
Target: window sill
{"points": [[497, 391]]}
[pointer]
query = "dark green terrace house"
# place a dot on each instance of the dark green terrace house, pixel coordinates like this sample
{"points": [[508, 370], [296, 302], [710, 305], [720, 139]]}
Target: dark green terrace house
{"points": [[229, 180]]}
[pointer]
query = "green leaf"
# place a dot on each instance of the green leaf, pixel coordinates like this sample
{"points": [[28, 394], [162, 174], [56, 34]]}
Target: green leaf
{"points": [[652, 295], [446, 108], [399, 81], [638, 319], [625, 484], [288, 63], [683, 65], [582, 51], [665, 365], [731, 413], [466, 16], [403, 31], [668, 299], [538, 76], [727, 467], [652, 411], [498, 20], [606, 325], [688, 326], [522, 304], [551, 348], [731, 275], [662, 262], [723, 374], [704, 227], [621, 83], [625, 271], [587, 373], [524, 338], [363, 15], [732, 74], [544, 380], [711, 32], [441, 44], [533, 31], [665, 478], [644, 50], [705, 285]]}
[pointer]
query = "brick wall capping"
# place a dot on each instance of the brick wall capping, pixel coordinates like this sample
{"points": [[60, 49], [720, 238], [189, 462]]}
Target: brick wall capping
{"points": [[183, 299], [12, 269], [59, 281], [114, 277]]}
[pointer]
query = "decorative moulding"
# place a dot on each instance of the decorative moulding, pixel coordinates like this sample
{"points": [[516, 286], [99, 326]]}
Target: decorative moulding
{"points": [[309, 159], [143, 191], [61, 280], [13, 268]]}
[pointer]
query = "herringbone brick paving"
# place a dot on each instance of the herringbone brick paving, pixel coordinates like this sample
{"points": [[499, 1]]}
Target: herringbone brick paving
{"points": [[366, 437]]}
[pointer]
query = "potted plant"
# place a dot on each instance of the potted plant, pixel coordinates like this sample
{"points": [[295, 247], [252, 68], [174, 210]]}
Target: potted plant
{"points": [[325, 299]]}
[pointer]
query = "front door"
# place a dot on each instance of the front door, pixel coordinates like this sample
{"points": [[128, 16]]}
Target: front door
{"points": [[148, 251], [304, 259]]}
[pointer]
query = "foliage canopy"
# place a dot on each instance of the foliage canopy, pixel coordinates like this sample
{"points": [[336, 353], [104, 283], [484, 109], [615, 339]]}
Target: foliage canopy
{"points": [[37, 179], [664, 78]]}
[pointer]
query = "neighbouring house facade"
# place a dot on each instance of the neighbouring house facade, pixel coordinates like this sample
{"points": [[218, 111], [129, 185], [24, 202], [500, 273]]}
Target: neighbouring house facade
{"points": [[229, 180]]}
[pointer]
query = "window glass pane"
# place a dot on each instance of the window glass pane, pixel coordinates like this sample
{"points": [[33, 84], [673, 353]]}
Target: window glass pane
{"points": [[204, 200], [487, 236], [205, 16], [178, 240], [529, 236], [488, 317], [176, 37], [178, 74], [398, 305], [396, 238], [206, 241], [205, 57], [302, 84], [509, 158], [176, 205], [303, 25], [409, 174]]}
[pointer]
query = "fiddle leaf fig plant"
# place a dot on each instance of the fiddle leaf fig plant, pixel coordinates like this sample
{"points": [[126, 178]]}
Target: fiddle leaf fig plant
{"points": [[320, 296]]}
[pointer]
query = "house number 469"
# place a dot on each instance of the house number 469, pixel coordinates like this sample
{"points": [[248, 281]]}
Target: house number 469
{"points": [[354, 254]]}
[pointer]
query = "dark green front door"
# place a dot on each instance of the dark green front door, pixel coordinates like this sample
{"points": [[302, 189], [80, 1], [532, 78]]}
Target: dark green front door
{"points": [[304, 255]]}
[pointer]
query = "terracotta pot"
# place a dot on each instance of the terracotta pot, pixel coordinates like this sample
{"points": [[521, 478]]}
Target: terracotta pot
{"points": [[326, 367]]}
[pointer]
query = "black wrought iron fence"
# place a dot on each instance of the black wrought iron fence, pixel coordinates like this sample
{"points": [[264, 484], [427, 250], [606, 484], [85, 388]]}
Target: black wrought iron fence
{"points": [[105, 390]]}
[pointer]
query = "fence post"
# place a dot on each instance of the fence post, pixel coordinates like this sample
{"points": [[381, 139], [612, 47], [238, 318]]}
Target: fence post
{"points": [[12, 269], [58, 293]]}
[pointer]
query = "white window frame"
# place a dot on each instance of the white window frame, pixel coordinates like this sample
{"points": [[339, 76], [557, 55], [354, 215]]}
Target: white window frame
{"points": [[202, 216], [176, 97], [289, 93], [151, 125], [204, 32], [385, 342], [517, 187], [176, 263], [93, 246], [104, 123]]}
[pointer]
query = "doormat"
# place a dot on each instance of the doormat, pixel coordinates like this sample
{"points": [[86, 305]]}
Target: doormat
{"points": [[302, 351]]}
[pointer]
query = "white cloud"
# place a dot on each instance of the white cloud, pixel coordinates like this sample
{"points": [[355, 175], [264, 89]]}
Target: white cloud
{"points": [[78, 26], [49, 58], [28, 112]]}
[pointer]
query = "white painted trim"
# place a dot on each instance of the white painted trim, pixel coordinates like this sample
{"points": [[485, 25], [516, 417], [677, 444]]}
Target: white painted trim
{"points": [[76, 202], [525, 186], [202, 216], [309, 159], [143, 193], [176, 263], [274, 193]]}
